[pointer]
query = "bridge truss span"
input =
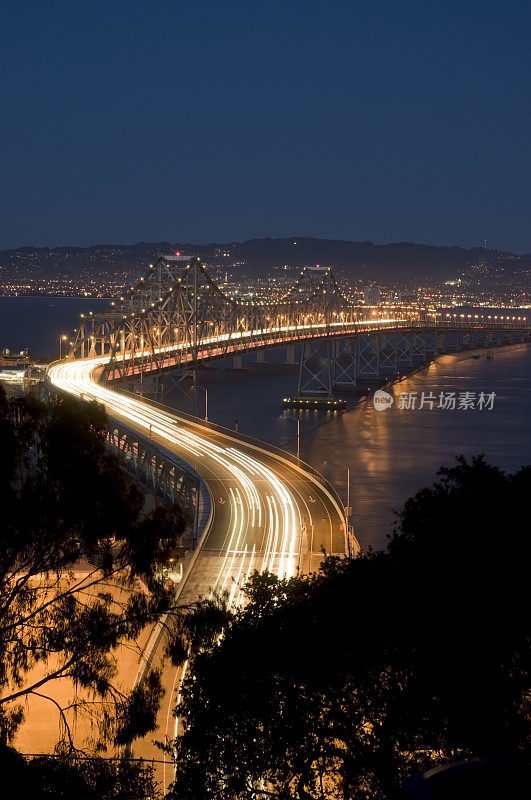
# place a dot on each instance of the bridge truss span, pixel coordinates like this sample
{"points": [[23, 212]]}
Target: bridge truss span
{"points": [[177, 317]]}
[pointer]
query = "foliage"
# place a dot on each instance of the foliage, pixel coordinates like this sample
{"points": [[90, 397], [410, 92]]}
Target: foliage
{"points": [[71, 777], [77, 558], [341, 684]]}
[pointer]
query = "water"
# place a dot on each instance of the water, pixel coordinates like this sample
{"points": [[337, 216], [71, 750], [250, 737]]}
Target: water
{"points": [[390, 453], [38, 322]]}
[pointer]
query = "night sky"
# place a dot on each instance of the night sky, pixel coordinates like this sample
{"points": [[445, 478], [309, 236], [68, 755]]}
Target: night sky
{"points": [[220, 121]]}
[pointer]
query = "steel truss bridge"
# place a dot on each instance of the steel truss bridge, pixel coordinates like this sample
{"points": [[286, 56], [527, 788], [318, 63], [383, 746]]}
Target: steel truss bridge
{"points": [[176, 318]]}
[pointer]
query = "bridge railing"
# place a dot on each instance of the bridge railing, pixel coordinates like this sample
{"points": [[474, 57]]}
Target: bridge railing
{"points": [[160, 472]]}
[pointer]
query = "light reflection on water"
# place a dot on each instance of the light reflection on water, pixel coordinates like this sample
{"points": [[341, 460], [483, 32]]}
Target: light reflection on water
{"points": [[391, 453]]}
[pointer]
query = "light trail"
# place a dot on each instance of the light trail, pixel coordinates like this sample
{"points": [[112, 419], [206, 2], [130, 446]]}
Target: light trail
{"points": [[264, 517]]}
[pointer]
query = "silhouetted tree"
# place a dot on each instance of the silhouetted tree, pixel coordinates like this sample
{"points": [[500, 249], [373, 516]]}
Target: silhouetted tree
{"points": [[77, 576], [340, 684], [73, 778]]}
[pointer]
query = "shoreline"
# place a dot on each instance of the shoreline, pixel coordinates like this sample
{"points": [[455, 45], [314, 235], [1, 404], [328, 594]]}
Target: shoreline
{"points": [[53, 297]]}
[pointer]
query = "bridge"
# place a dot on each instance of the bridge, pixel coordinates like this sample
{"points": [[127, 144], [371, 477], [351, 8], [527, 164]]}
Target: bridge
{"points": [[251, 506], [176, 318]]}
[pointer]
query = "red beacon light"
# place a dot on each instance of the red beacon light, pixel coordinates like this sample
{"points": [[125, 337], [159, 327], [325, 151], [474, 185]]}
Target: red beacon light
{"points": [[177, 252]]}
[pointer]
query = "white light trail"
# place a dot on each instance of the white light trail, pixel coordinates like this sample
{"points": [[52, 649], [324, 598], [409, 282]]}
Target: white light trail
{"points": [[264, 519]]}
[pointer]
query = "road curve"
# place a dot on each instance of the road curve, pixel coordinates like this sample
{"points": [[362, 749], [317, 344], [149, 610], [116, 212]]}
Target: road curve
{"points": [[268, 513]]}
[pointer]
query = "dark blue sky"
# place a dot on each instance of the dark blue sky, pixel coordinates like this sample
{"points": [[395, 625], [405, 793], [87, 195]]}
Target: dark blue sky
{"points": [[387, 120]]}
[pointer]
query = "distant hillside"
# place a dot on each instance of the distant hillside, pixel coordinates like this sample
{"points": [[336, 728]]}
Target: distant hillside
{"points": [[389, 263]]}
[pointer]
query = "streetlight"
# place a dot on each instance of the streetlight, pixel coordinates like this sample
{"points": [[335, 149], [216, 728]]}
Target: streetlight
{"points": [[62, 339], [347, 509], [196, 386], [297, 420]]}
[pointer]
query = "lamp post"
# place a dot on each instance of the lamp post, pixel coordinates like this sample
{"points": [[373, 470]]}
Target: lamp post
{"points": [[196, 386], [347, 508], [62, 339], [297, 420]]}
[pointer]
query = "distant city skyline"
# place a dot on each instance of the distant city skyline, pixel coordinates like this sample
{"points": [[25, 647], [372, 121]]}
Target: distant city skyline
{"points": [[386, 122]]}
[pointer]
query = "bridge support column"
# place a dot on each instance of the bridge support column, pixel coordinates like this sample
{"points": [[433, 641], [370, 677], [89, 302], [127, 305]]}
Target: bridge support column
{"points": [[369, 356], [315, 369], [290, 354], [478, 338], [260, 357], [237, 362], [345, 364], [452, 340], [159, 389], [418, 346], [388, 355], [404, 356], [151, 387], [430, 344]]}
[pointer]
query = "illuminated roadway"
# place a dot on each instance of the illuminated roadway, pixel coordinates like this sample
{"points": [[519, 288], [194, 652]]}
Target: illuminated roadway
{"points": [[266, 512]]}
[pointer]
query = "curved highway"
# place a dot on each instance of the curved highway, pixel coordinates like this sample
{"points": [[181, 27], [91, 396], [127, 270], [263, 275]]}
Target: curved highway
{"points": [[268, 513], [263, 506]]}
